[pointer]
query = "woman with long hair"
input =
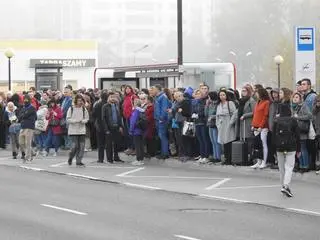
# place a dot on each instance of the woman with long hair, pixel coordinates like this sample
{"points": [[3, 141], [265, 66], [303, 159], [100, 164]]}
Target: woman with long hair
{"points": [[260, 124], [225, 120]]}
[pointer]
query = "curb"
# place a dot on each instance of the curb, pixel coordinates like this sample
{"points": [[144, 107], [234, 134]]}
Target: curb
{"points": [[143, 187]]}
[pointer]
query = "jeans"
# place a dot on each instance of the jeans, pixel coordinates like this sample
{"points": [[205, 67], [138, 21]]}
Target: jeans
{"points": [[67, 141], [129, 138], [201, 134], [286, 165], [41, 140], [216, 147], [162, 129], [77, 147], [14, 138], [304, 158], [264, 139], [52, 141]]}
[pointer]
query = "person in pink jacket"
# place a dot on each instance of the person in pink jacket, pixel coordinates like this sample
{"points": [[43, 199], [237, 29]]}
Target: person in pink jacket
{"points": [[54, 130]]}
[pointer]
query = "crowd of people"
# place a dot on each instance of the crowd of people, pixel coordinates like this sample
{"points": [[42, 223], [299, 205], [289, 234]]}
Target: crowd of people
{"points": [[189, 124]]}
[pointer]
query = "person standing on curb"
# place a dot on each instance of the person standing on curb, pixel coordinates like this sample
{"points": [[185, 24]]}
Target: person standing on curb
{"points": [[287, 140], [27, 118], [77, 117]]}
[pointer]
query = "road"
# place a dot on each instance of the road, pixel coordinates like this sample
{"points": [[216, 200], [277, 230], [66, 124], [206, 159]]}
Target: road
{"points": [[39, 205]]}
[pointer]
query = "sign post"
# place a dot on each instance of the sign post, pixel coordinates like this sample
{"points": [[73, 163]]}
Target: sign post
{"points": [[305, 54]]}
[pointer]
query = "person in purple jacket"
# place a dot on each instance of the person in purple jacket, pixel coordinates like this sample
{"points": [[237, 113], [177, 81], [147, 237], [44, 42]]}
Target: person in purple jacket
{"points": [[137, 133]]}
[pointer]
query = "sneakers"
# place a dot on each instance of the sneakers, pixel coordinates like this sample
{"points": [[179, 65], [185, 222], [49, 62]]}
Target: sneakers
{"points": [[255, 166], [137, 163], [80, 165], [286, 190], [203, 160], [197, 158], [263, 165], [54, 154], [44, 153]]}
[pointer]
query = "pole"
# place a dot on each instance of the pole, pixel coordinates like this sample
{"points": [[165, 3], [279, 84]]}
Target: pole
{"points": [[278, 76], [9, 72], [180, 32]]}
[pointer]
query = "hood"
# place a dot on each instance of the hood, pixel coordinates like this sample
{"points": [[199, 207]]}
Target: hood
{"points": [[189, 91], [14, 108]]}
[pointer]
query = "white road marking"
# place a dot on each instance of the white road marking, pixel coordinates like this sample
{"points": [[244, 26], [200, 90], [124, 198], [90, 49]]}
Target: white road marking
{"points": [[129, 172], [248, 187], [82, 176], [304, 211], [64, 209], [32, 168], [218, 184], [111, 167], [224, 198], [174, 177], [186, 237], [141, 186], [59, 164]]}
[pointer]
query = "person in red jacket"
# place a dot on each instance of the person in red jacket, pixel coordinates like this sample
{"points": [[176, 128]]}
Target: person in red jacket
{"points": [[54, 130], [260, 124], [34, 102], [151, 128], [127, 112]]}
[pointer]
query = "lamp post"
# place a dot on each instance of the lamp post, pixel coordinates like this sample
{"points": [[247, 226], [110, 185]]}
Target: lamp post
{"points": [[9, 53], [278, 60], [138, 50]]}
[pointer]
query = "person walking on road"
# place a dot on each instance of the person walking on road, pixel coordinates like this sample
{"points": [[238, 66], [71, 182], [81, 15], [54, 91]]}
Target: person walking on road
{"points": [[287, 140], [77, 117]]}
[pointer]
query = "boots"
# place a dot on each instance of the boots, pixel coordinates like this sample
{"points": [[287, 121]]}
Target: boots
{"points": [[14, 155]]}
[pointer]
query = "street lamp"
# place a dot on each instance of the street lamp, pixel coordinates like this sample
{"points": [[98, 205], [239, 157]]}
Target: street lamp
{"points": [[278, 60], [9, 53], [138, 50]]}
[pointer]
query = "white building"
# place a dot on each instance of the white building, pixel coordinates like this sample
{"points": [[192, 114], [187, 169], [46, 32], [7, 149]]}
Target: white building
{"points": [[78, 59]]}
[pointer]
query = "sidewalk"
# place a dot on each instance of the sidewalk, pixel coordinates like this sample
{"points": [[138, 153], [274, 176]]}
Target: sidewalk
{"points": [[237, 184]]}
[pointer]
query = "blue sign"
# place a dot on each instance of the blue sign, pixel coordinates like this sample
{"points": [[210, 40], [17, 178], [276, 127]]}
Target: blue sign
{"points": [[305, 39]]}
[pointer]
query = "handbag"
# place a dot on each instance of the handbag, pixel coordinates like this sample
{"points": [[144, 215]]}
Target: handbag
{"points": [[304, 126], [54, 122], [312, 132], [211, 123], [189, 129], [179, 118], [42, 125]]}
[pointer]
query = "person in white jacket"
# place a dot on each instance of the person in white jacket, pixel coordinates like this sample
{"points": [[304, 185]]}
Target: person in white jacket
{"points": [[77, 117]]}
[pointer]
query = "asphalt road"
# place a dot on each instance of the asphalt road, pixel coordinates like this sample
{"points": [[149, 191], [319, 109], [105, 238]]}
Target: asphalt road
{"points": [[37, 205]]}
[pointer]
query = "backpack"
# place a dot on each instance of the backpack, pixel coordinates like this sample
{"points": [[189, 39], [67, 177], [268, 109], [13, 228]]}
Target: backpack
{"points": [[285, 135], [142, 122], [83, 112]]}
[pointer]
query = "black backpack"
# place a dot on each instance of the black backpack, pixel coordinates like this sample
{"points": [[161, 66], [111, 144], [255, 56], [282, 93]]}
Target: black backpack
{"points": [[285, 133], [142, 122]]}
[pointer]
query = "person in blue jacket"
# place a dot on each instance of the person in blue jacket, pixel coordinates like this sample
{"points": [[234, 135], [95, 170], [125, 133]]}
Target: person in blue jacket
{"points": [[161, 106]]}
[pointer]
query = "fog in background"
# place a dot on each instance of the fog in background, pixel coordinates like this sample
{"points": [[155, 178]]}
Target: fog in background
{"points": [[247, 32]]}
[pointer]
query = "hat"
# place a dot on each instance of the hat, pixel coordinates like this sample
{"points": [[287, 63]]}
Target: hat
{"points": [[189, 91]]}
